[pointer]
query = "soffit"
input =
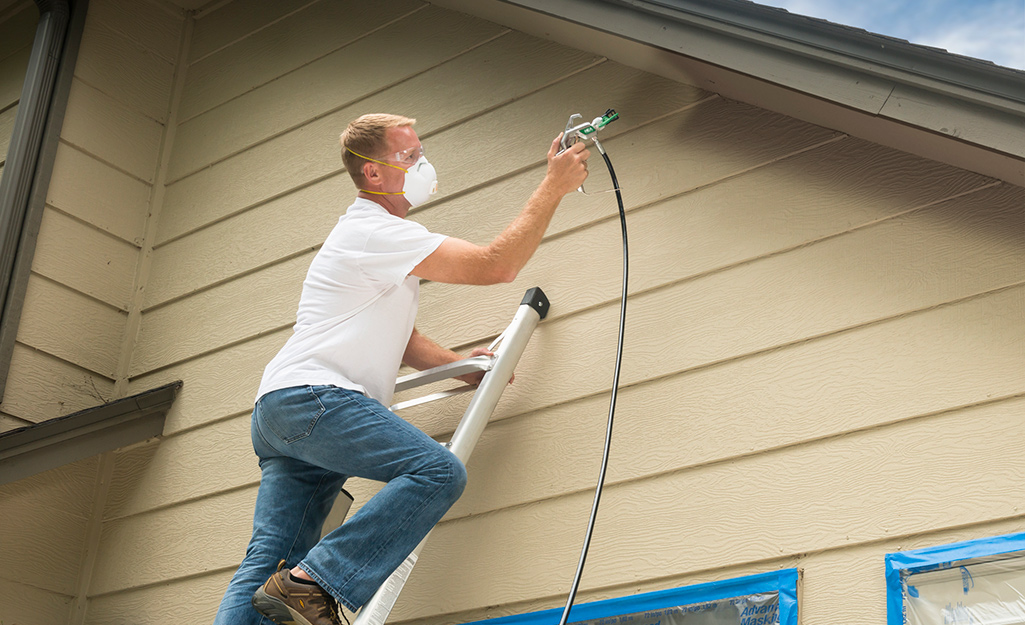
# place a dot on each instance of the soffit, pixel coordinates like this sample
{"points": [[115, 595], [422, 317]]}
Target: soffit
{"points": [[966, 112]]}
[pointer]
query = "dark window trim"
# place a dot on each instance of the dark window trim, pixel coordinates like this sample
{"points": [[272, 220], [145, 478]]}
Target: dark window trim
{"points": [[31, 155]]}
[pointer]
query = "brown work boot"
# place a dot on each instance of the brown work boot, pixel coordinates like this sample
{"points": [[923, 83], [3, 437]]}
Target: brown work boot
{"points": [[288, 602]]}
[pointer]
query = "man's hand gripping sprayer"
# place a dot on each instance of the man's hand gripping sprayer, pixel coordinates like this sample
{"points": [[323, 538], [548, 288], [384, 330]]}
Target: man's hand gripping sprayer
{"points": [[577, 131]]}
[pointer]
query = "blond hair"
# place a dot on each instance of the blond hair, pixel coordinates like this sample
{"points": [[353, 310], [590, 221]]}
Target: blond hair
{"points": [[365, 136]]}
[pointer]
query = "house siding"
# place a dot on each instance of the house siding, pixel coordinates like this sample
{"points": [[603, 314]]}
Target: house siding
{"points": [[74, 326], [824, 336]]}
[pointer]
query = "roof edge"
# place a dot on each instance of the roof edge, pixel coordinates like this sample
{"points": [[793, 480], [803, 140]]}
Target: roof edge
{"points": [[850, 46], [56, 442]]}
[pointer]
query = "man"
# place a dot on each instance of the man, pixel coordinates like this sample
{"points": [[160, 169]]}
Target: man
{"points": [[321, 414]]}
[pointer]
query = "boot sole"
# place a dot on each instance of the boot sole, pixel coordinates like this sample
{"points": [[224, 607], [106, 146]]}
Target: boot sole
{"points": [[277, 610]]}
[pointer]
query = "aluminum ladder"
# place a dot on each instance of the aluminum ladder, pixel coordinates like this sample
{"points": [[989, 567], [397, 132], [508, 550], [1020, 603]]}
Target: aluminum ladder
{"points": [[498, 370]]}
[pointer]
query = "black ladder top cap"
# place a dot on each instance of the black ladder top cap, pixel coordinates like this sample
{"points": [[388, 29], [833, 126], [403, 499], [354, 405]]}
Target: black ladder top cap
{"points": [[536, 299]]}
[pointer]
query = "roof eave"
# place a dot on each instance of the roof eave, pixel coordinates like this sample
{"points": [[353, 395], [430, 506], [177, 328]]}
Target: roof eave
{"points": [[968, 113], [56, 442]]}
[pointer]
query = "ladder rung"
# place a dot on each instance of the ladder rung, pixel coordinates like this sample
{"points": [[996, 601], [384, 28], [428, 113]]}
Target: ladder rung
{"points": [[429, 398], [444, 372]]}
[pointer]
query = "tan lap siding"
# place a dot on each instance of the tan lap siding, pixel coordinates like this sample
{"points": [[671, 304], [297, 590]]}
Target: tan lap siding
{"points": [[815, 323]]}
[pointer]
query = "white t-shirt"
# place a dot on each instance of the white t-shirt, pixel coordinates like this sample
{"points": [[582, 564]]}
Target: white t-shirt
{"points": [[358, 305]]}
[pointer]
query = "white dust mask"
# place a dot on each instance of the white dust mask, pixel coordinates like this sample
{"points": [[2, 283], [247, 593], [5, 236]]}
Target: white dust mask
{"points": [[421, 182]]}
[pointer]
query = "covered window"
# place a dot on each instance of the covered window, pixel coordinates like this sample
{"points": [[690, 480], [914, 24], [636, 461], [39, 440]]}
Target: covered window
{"points": [[765, 599], [981, 582]]}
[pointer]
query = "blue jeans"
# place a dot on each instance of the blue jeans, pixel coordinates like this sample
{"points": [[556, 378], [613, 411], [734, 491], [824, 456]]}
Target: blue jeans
{"points": [[309, 440]]}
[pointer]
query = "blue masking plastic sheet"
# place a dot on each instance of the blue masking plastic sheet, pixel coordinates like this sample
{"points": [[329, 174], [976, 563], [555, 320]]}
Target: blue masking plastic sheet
{"points": [[764, 599], [979, 582]]}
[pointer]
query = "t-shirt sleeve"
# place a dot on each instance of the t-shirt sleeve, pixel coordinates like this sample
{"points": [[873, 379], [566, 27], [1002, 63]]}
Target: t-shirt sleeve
{"points": [[395, 248]]}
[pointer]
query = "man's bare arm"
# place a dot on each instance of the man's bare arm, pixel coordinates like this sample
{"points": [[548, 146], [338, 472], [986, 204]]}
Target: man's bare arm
{"points": [[461, 262]]}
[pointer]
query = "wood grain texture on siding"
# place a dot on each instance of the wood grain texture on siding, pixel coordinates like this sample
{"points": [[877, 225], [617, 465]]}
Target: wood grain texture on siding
{"points": [[10, 422], [143, 23], [866, 179], [85, 259], [58, 502], [284, 46], [23, 603], [128, 72], [294, 159], [238, 310], [340, 78], [909, 478], [12, 76], [41, 387], [99, 194], [149, 605], [66, 324], [712, 325], [48, 542], [175, 469], [232, 21], [291, 224], [101, 126], [18, 31], [219, 384], [817, 389], [745, 219], [208, 526], [916, 477]]}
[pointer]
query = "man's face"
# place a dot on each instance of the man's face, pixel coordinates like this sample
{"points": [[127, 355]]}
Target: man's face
{"points": [[403, 150]]}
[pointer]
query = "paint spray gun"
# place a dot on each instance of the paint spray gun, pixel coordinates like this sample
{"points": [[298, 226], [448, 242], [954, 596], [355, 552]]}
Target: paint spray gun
{"points": [[577, 131]]}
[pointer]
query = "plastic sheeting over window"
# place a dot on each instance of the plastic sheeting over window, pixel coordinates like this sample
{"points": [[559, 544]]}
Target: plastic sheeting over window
{"points": [[765, 599], [979, 582], [973, 593], [760, 609]]}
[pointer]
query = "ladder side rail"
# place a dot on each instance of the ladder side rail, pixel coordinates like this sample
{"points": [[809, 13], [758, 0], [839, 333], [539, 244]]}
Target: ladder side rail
{"points": [[531, 311]]}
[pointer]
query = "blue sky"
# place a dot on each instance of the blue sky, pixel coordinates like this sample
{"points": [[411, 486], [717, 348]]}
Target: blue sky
{"points": [[993, 30]]}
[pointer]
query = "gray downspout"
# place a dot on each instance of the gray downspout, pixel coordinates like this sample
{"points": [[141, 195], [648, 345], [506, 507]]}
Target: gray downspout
{"points": [[31, 154]]}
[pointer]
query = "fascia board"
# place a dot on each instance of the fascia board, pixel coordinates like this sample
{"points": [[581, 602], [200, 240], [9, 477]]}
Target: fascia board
{"points": [[814, 90], [50, 444]]}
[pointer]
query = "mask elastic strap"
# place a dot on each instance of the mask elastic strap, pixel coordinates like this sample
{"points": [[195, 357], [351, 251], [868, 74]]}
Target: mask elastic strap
{"points": [[374, 160], [380, 193]]}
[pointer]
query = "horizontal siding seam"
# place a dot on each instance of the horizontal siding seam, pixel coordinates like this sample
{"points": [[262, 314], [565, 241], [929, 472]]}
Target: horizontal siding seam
{"points": [[736, 264], [313, 60], [21, 582], [341, 170], [759, 452], [758, 352], [64, 141], [332, 111], [674, 283], [15, 417], [786, 560], [213, 5], [542, 163], [724, 179], [231, 278], [199, 426], [96, 392], [246, 209], [72, 289], [88, 224], [118, 100], [131, 40], [219, 348], [183, 502], [4, 109]]}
